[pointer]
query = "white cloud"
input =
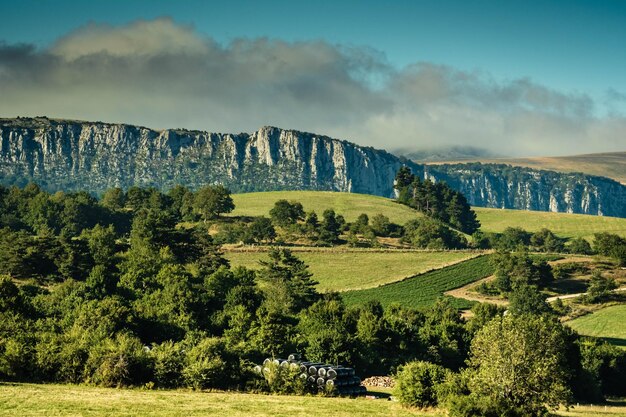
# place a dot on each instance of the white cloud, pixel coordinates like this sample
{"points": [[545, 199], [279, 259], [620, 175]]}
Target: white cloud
{"points": [[160, 74]]}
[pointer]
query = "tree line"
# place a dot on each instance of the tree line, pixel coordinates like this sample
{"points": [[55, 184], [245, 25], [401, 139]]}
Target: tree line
{"points": [[435, 199]]}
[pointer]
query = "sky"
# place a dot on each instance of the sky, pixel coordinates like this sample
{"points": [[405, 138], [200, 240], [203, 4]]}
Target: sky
{"points": [[517, 78]]}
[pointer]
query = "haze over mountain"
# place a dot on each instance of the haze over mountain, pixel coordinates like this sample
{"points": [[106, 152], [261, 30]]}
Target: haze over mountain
{"points": [[608, 164]]}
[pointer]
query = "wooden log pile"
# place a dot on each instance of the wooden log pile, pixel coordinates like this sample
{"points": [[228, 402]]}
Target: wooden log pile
{"points": [[321, 377], [379, 381]]}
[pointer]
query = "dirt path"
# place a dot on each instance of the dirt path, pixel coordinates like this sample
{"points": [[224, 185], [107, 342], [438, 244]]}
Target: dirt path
{"points": [[567, 296], [579, 259], [467, 293]]}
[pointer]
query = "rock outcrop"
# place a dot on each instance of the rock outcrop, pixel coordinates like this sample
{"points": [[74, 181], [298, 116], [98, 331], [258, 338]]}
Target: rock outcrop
{"points": [[73, 155]]}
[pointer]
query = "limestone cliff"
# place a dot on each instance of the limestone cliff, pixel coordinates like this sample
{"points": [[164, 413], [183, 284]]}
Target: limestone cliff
{"points": [[72, 155]]}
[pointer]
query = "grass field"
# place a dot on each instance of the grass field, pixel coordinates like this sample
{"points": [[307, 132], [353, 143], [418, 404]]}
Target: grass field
{"points": [[611, 409], [608, 323], [27, 400], [341, 270], [492, 220], [35, 400], [562, 224], [347, 204], [422, 290]]}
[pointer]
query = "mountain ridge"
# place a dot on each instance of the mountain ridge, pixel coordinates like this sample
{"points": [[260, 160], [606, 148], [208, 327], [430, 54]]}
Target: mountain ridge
{"points": [[71, 155]]}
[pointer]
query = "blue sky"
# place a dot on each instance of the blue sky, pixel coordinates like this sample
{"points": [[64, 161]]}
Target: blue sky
{"points": [[570, 53]]}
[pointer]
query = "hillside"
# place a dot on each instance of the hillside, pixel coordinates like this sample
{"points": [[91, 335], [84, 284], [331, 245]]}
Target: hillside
{"points": [[609, 164], [492, 220], [349, 205], [72, 155], [562, 224], [607, 324]]}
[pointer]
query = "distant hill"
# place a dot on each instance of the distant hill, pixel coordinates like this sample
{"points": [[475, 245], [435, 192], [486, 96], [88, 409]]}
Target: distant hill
{"points": [[609, 164]]}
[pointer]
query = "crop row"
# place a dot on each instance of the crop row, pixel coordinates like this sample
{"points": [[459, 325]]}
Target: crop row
{"points": [[423, 290]]}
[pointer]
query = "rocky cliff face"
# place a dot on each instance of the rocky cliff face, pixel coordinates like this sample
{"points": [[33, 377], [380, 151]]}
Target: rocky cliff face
{"points": [[70, 155], [97, 156], [505, 186]]}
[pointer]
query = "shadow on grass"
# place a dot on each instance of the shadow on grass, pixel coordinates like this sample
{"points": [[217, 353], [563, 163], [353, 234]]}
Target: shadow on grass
{"points": [[615, 341]]}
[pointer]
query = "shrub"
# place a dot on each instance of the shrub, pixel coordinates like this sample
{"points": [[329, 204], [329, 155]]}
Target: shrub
{"points": [[284, 380], [208, 364], [168, 361], [416, 381], [118, 362]]}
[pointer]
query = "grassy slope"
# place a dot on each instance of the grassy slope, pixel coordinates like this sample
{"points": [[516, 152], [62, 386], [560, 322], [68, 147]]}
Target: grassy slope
{"points": [[492, 220], [562, 224], [356, 269], [70, 400], [608, 323], [422, 290], [611, 164], [347, 204]]}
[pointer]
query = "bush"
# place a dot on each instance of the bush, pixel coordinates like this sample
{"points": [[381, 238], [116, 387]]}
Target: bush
{"points": [[284, 380], [416, 383], [118, 362], [208, 364], [168, 361]]}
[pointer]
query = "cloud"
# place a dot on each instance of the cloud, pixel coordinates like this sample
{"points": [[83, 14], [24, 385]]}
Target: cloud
{"points": [[161, 74]]}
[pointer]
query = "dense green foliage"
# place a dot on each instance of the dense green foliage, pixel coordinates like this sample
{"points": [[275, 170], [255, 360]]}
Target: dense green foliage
{"points": [[416, 383], [129, 297], [436, 200]]}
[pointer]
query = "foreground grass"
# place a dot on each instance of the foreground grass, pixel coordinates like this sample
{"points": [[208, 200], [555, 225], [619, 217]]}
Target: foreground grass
{"points": [[70, 400], [611, 409], [347, 204], [562, 224], [608, 323], [358, 269], [423, 290]]}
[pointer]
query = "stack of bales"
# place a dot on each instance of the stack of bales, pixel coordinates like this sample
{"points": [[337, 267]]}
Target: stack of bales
{"points": [[319, 376]]}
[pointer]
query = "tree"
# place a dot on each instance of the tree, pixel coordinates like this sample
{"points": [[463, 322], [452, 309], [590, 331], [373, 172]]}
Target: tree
{"points": [[580, 245], [600, 288], [546, 241], [330, 227], [211, 201], [513, 238], [261, 229], [182, 202], [113, 199], [285, 213], [289, 283], [361, 224], [611, 245], [381, 225], [101, 242], [519, 362], [526, 299], [323, 328]]}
